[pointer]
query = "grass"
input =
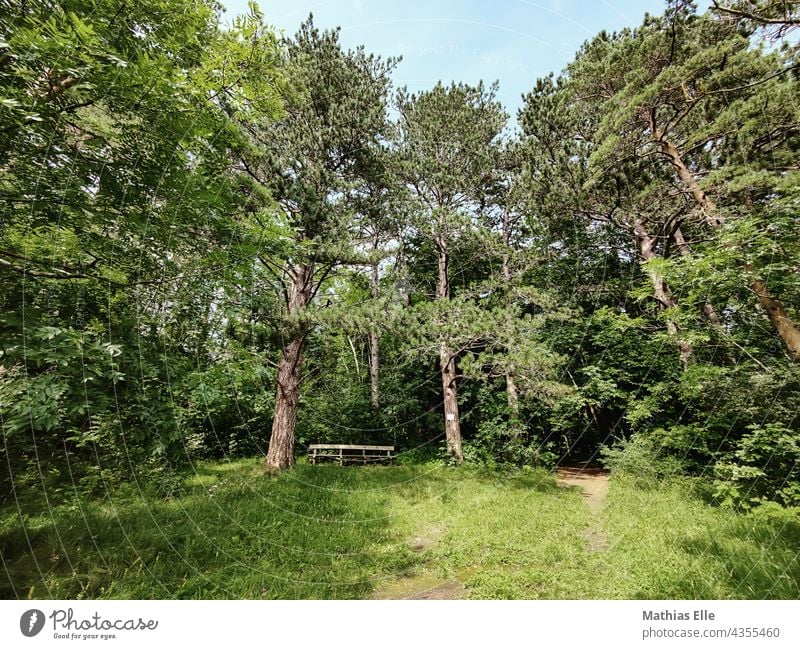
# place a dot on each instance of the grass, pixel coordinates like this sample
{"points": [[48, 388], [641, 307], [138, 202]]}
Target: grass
{"points": [[332, 532]]}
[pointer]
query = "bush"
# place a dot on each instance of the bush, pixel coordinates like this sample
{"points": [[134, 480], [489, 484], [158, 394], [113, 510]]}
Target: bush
{"points": [[643, 457], [430, 454], [501, 443], [764, 464], [226, 409]]}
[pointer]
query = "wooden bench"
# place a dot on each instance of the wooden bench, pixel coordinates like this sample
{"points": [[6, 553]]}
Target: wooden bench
{"points": [[350, 454]]}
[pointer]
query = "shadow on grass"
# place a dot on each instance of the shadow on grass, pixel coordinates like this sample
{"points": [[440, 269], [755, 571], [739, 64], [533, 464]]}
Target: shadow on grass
{"points": [[667, 542], [753, 556], [314, 532]]}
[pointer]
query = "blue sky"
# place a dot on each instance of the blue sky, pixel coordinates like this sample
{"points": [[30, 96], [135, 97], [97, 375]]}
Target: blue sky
{"points": [[513, 41]]}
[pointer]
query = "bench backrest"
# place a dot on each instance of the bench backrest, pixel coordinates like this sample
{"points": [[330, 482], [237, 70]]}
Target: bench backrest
{"points": [[346, 447]]}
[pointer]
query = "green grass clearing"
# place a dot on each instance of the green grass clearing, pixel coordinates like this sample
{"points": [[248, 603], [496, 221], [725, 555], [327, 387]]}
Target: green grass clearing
{"points": [[356, 532]]}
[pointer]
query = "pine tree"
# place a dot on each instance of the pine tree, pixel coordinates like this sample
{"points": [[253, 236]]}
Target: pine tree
{"points": [[446, 159], [313, 163]]}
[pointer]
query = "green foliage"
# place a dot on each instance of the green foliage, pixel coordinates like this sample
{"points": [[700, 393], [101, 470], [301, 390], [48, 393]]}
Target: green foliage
{"points": [[226, 409], [447, 144], [763, 464], [650, 365], [643, 457], [45, 385], [167, 185], [500, 443], [116, 215], [56, 387]]}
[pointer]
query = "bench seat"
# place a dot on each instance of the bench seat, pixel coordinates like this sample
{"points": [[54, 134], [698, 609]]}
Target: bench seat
{"points": [[350, 454]]}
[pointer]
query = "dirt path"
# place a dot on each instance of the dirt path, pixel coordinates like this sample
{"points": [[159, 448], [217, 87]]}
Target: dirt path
{"points": [[593, 483]]}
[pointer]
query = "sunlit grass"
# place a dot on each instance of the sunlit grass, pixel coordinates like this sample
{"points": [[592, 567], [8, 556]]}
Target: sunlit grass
{"points": [[352, 532]]}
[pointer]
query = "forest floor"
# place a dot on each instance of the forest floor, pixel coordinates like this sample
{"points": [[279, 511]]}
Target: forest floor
{"points": [[424, 532]]}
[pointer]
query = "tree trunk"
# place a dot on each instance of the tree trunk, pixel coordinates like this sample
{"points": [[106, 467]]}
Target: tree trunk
{"points": [[511, 392], [511, 385], [452, 425], [785, 327], [403, 285], [374, 351], [281, 443], [287, 393], [701, 199], [646, 247]]}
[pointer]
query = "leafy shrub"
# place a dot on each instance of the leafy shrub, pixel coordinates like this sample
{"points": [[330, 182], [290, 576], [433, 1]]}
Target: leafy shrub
{"points": [[430, 454], [57, 390], [500, 443], [478, 454], [226, 409], [643, 457], [763, 464]]}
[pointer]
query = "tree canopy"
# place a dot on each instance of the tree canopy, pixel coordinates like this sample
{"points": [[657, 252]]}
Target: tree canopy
{"points": [[218, 241]]}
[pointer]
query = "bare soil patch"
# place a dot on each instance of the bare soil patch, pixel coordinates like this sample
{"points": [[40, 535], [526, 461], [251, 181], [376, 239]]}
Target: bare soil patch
{"points": [[593, 483], [421, 587], [452, 589]]}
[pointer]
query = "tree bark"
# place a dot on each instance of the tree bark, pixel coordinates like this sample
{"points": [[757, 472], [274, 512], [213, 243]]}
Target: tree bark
{"points": [[707, 207], [646, 247], [374, 350], [511, 391], [511, 385], [287, 393], [776, 313], [452, 425]]}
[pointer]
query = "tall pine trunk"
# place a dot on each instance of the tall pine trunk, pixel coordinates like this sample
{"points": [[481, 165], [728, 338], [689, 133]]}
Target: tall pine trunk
{"points": [[452, 425], [374, 350], [787, 330], [511, 391], [511, 384], [645, 244], [287, 393]]}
